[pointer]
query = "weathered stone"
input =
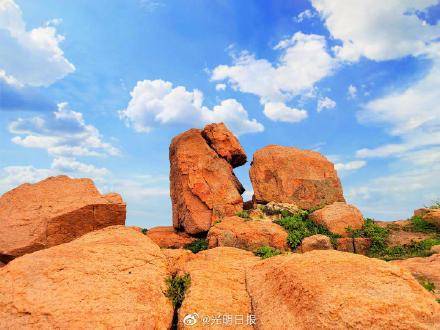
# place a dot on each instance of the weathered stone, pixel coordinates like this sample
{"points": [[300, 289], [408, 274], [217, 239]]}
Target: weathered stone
{"points": [[290, 175], [345, 244], [54, 211], [169, 238], [337, 217], [247, 234], [429, 215], [111, 278], [435, 249], [336, 290], [248, 205], [221, 139], [272, 208], [316, 242], [361, 245], [203, 185]]}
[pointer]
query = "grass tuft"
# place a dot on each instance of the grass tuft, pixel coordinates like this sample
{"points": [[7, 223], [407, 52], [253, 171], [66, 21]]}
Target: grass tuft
{"points": [[243, 214], [176, 288], [266, 252], [197, 245], [420, 225], [144, 231], [428, 285]]}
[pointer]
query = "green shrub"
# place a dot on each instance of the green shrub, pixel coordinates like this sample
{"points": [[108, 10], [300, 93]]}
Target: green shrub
{"points": [[197, 245], [415, 249], [176, 288], [299, 226], [144, 231], [420, 225], [243, 214], [375, 233], [267, 252], [428, 285]]}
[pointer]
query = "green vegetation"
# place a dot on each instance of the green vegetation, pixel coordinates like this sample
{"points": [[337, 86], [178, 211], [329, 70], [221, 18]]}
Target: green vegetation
{"points": [[267, 252], [300, 226], [177, 285], [198, 245], [438, 300], [435, 205], [243, 214], [375, 233], [428, 285], [144, 231], [420, 225]]}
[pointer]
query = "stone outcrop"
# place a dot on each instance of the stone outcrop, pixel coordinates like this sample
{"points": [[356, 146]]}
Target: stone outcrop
{"points": [[218, 287], [168, 237], [424, 269], [203, 185], [336, 290], [429, 215], [359, 245], [111, 278], [435, 249], [247, 234], [290, 175], [225, 144], [316, 242], [337, 217], [54, 211]]}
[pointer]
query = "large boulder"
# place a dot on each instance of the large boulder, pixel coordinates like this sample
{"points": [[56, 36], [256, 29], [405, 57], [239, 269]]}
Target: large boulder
{"points": [[290, 175], [203, 185], [429, 215], [425, 269], [247, 234], [337, 290], [54, 211], [225, 144], [112, 278], [218, 288], [316, 242], [168, 237], [337, 217]]}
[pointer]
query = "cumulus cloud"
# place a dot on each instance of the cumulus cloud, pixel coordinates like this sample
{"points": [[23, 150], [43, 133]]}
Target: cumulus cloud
{"points": [[69, 165], [220, 87], [325, 103], [306, 14], [377, 31], [303, 62], [158, 102], [63, 133], [352, 91], [29, 57], [278, 111], [350, 166]]}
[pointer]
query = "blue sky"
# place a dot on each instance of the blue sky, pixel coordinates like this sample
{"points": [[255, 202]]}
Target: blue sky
{"points": [[98, 89]]}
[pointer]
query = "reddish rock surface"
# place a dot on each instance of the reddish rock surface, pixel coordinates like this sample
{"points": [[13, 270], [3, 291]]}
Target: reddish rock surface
{"points": [[168, 237], [316, 242], [247, 234], [111, 278], [290, 175], [359, 245], [337, 217], [435, 249], [203, 185], [336, 290], [221, 139], [54, 211], [424, 269], [429, 215], [345, 244], [218, 287]]}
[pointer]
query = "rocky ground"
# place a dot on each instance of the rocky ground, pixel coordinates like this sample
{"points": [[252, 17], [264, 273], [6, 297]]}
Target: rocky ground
{"points": [[294, 257]]}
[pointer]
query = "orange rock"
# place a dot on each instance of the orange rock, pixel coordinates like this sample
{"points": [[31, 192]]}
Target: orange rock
{"points": [[168, 237], [429, 215], [337, 217], [247, 234], [424, 268], [290, 175], [177, 258], [203, 185], [361, 245], [111, 278], [54, 211], [221, 139], [435, 249], [337, 290], [218, 288], [316, 242], [345, 244]]}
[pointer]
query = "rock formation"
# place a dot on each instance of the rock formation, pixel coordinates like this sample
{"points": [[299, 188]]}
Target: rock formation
{"points": [[429, 215], [316, 242], [168, 237], [247, 234], [337, 217], [112, 278], [290, 175], [203, 185], [53, 211]]}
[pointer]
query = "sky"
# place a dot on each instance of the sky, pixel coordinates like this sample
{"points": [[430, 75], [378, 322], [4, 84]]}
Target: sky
{"points": [[98, 89]]}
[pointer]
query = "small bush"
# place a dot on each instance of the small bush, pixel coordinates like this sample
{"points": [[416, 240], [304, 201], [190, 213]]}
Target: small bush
{"points": [[375, 233], [144, 231], [420, 225], [428, 285], [415, 249], [243, 214], [435, 205], [299, 226], [198, 245], [177, 286], [267, 252]]}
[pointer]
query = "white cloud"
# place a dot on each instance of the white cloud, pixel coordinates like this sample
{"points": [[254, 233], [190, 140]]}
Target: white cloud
{"points": [[325, 103], [71, 165], [63, 133], [220, 87], [352, 91], [306, 14], [303, 62], [378, 31], [30, 57], [156, 102], [278, 111], [350, 166]]}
